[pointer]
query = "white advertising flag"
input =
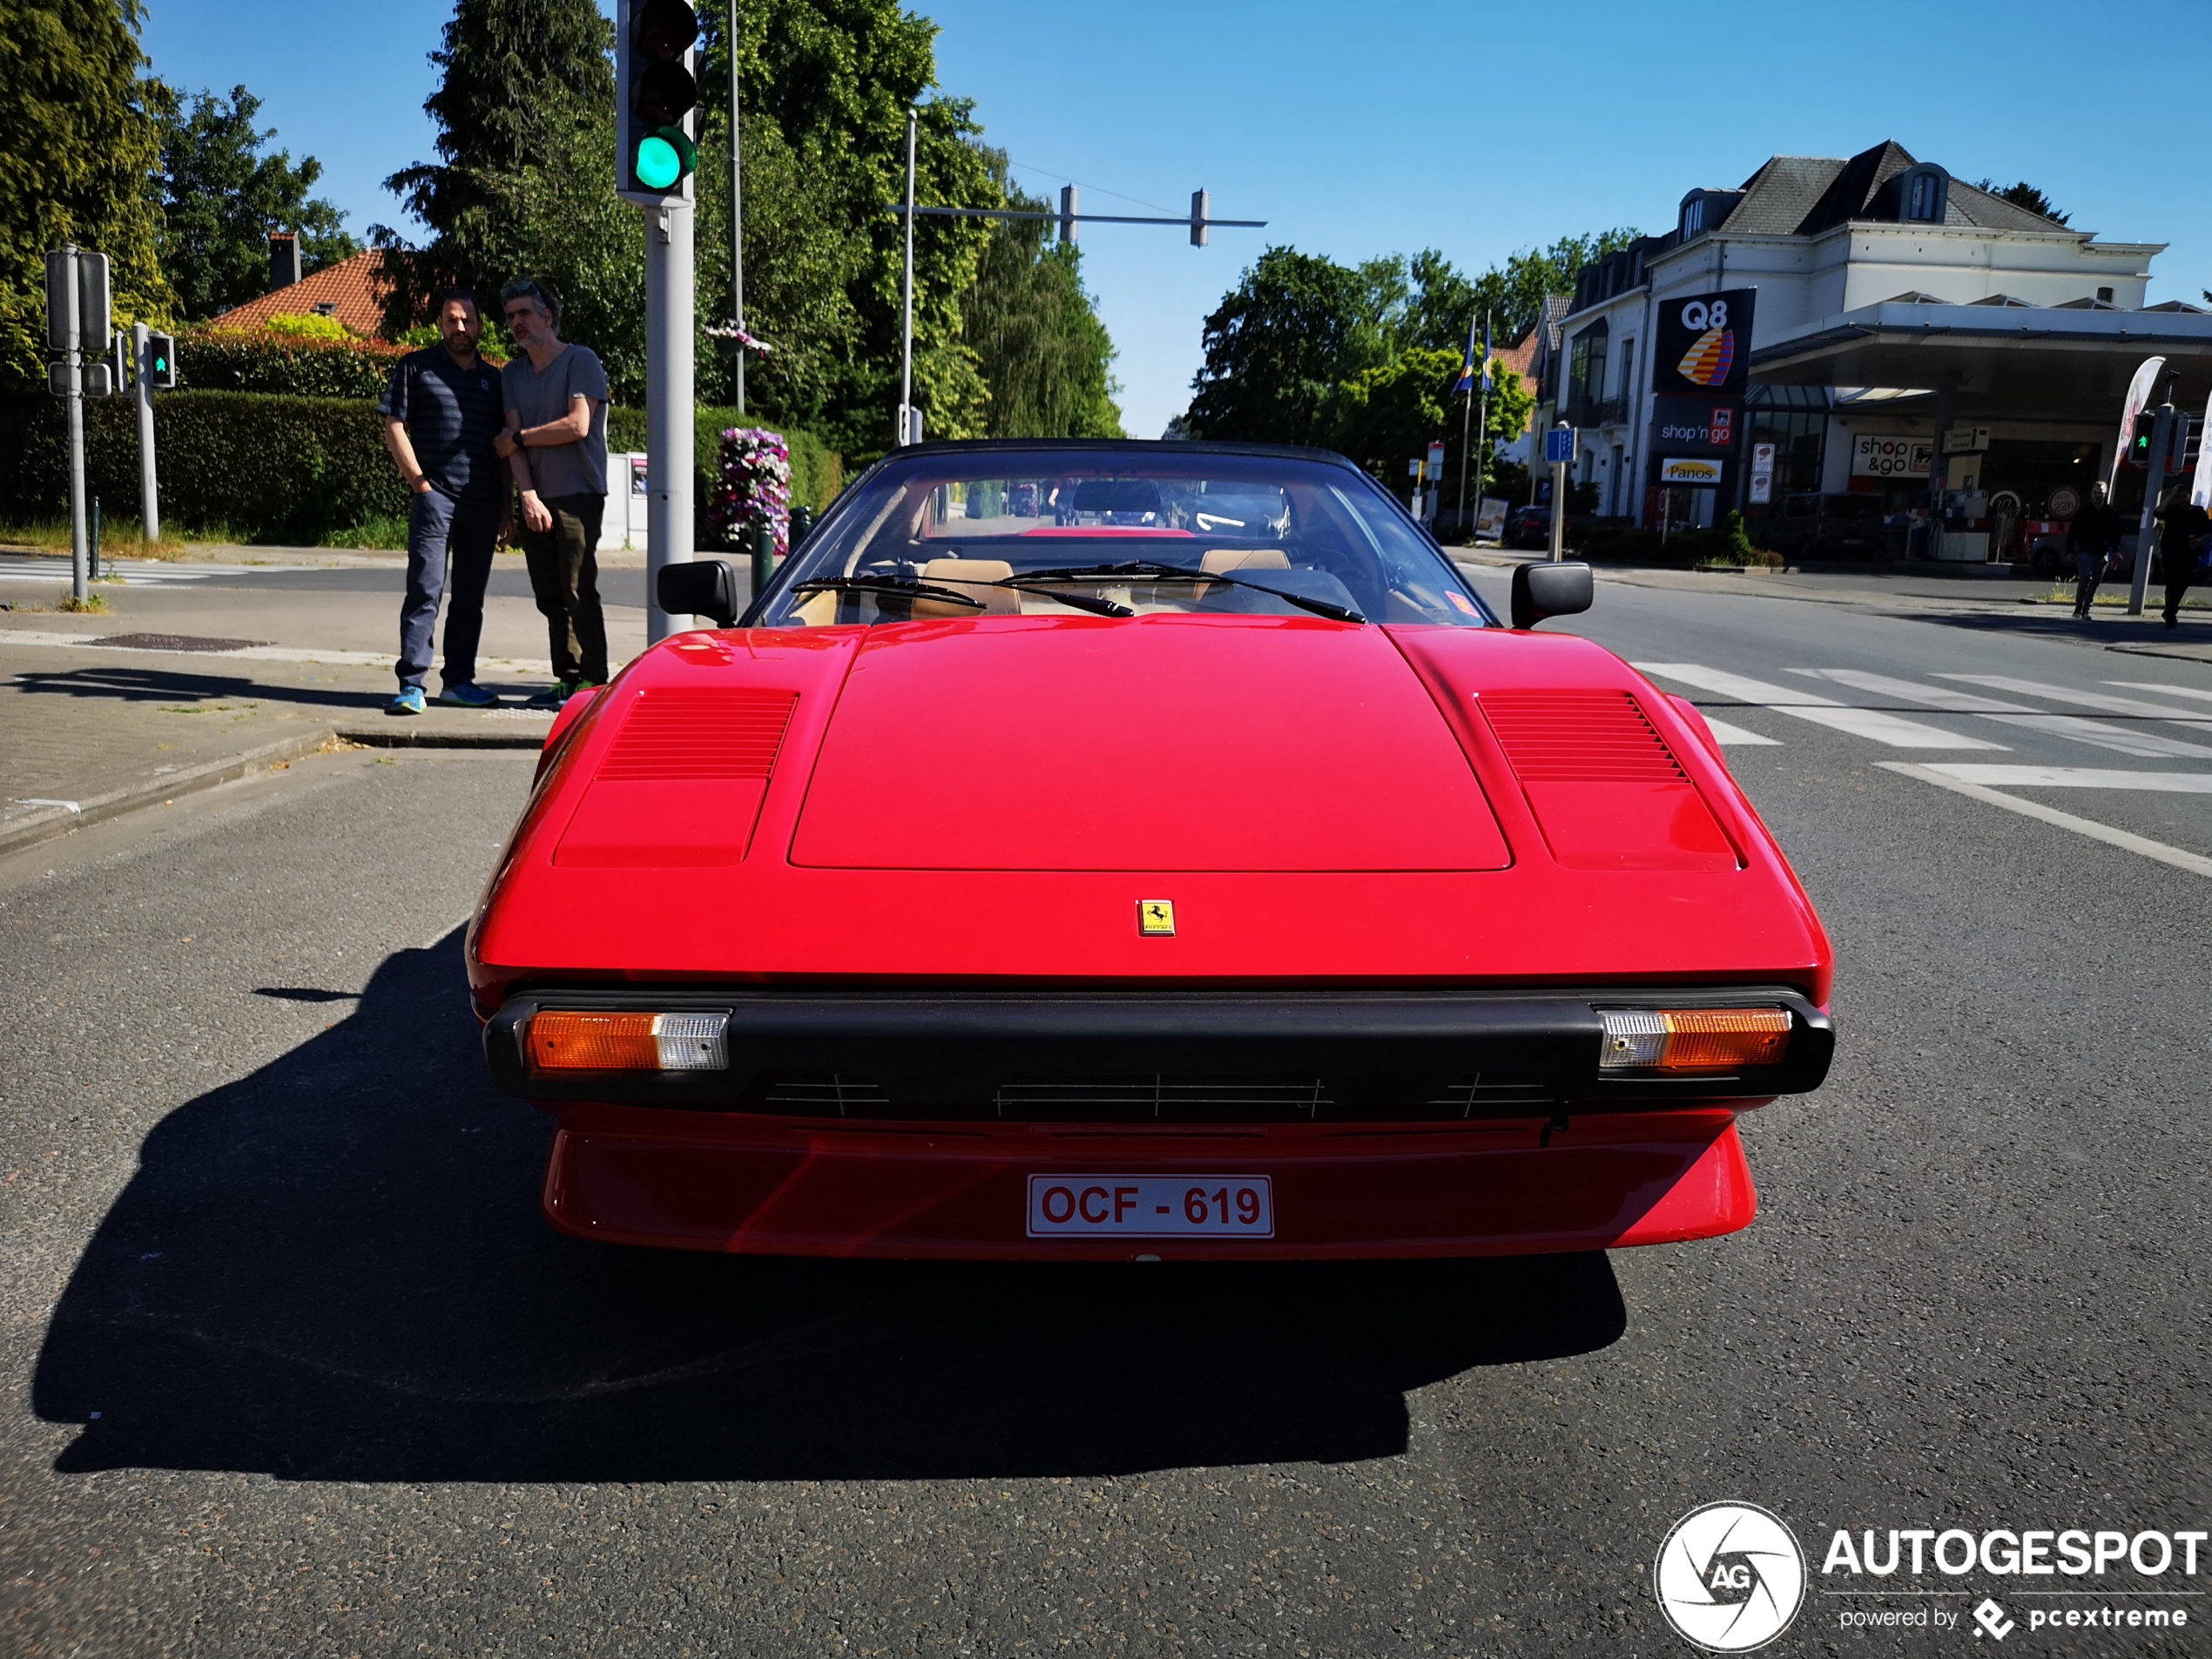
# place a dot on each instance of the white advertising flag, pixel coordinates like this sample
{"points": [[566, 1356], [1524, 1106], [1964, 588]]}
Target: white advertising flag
{"points": [[2200, 488], [2138, 395]]}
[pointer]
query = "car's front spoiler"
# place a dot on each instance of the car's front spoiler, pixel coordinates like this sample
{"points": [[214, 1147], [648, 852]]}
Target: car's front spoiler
{"points": [[742, 1182], [946, 1053]]}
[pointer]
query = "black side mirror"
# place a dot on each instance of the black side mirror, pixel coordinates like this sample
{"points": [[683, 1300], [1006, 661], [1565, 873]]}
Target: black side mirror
{"points": [[705, 588], [1546, 589]]}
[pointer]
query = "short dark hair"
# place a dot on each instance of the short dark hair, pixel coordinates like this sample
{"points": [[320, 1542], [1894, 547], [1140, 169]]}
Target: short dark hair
{"points": [[536, 289], [446, 296]]}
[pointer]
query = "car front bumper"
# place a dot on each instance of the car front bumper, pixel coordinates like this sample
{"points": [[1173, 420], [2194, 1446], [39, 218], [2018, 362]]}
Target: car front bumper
{"points": [[744, 1182]]}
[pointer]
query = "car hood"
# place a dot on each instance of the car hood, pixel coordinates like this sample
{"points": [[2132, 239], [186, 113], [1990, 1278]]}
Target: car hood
{"points": [[1168, 743]]}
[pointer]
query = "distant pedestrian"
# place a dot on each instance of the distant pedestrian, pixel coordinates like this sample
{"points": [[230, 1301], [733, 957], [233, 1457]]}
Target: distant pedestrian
{"points": [[2180, 546], [2093, 535], [441, 417], [556, 441]]}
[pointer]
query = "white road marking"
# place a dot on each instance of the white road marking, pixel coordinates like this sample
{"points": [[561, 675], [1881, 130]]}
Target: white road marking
{"points": [[1889, 729], [2085, 699], [2165, 782], [1737, 736], [135, 572], [540, 667], [2123, 739], [1934, 697], [2194, 862], [2159, 685]]}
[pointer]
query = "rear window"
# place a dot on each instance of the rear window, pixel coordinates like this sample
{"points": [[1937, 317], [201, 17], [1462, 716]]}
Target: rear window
{"points": [[1116, 530]]}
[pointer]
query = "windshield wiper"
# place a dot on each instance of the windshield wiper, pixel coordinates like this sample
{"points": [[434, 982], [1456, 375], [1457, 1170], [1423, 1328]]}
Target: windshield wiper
{"points": [[1157, 572], [905, 585]]}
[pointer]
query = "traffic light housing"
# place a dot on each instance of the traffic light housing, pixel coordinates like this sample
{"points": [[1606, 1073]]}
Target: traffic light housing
{"points": [[2139, 441], [161, 362], [657, 94]]}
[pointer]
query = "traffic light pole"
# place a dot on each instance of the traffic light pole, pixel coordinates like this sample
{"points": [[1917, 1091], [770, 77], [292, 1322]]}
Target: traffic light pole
{"points": [[2161, 442], [668, 428], [149, 496], [906, 327], [737, 216], [80, 580]]}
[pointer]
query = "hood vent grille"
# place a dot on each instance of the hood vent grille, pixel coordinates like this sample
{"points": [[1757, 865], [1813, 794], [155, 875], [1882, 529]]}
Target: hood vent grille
{"points": [[704, 734], [1580, 738]]}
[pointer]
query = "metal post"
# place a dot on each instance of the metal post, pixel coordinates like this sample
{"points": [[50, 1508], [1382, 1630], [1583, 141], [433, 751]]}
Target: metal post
{"points": [[668, 428], [907, 329], [149, 496], [1558, 498], [737, 216], [79, 576], [1938, 463], [2161, 442], [764, 555], [92, 547]]}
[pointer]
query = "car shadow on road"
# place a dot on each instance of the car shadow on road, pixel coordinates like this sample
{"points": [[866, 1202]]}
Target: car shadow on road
{"points": [[335, 1269], [125, 685]]}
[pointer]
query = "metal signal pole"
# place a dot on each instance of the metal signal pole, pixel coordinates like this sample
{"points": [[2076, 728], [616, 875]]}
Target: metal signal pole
{"points": [[907, 333], [149, 496], [668, 384], [2167, 436], [737, 216]]}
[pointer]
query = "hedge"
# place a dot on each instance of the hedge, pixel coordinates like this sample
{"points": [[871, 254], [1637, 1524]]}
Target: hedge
{"points": [[1726, 545], [291, 471], [231, 360]]}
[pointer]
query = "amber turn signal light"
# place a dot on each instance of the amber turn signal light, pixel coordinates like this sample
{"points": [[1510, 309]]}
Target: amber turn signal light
{"points": [[562, 1041], [1692, 1039]]}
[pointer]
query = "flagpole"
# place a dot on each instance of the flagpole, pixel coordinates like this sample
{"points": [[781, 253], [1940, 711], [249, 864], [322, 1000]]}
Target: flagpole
{"points": [[1483, 473], [1466, 410]]}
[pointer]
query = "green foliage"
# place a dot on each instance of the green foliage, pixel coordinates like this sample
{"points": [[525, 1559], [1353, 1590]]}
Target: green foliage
{"points": [[78, 152], [284, 469], [1386, 415], [1045, 355], [1295, 326], [309, 326], [1513, 294], [1728, 547], [221, 196], [817, 471], [2023, 194], [231, 360]]}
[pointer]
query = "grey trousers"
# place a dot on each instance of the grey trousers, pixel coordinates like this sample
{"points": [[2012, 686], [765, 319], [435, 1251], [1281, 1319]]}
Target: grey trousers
{"points": [[449, 547]]}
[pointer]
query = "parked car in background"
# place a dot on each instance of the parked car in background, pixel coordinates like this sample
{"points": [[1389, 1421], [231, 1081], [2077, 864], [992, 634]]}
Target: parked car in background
{"points": [[1813, 525], [1531, 527]]}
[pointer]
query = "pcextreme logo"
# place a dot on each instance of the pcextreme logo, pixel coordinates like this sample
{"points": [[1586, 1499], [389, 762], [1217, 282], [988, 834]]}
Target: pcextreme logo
{"points": [[1729, 1577]]}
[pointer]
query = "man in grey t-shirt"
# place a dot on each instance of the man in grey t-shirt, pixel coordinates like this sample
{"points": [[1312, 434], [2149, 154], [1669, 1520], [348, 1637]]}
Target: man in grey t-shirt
{"points": [[555, 444]]}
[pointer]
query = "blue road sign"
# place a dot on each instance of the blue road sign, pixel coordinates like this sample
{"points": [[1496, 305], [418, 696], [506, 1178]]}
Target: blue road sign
{"points": [[1559, 445]]}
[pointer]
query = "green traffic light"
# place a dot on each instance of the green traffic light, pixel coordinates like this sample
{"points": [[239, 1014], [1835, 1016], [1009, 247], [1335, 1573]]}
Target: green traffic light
{"points": [[658, 166], [665, 156]]}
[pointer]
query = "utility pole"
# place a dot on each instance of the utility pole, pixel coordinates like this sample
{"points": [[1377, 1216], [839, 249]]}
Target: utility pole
{"points": [[907, 332], [2163, 444], [77, 312], [736, 218], [149, 497]]}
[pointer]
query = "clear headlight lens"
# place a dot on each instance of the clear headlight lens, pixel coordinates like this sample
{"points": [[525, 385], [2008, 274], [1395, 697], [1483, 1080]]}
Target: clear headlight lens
{"points": [[1692, 1039], [562, 1041]]}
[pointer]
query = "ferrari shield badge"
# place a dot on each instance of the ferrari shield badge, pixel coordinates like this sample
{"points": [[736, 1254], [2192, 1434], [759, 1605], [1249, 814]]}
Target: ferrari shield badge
{"points": [[1155, 918]]}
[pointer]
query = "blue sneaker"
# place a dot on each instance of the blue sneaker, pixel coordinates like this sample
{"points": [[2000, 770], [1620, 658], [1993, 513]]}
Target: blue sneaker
{"points": [[468, 695], [410, 701]]}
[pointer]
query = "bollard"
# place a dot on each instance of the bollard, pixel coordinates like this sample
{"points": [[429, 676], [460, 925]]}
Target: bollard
{"points": [[92, 546], [764, 555]]}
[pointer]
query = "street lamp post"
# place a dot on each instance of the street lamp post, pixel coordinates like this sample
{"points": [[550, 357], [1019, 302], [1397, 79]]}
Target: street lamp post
{"points": [[906, 330]]}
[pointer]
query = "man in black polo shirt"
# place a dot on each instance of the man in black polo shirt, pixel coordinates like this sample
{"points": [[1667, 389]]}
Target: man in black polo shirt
{"points": [[440, 414]]}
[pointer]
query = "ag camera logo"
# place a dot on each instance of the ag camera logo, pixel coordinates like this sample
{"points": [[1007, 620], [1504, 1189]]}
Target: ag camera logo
{"points": [[1729, 1577]]}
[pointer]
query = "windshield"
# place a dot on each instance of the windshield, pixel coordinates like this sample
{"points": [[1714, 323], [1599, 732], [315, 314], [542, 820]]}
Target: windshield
{"points": [[1116, 530]]}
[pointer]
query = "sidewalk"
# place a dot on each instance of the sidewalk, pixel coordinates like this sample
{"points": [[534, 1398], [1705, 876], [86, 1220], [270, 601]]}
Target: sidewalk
{"points": [[206, 669]]}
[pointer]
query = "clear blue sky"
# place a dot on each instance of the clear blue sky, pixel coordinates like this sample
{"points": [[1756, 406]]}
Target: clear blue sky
{"points": [[1355, 131]]}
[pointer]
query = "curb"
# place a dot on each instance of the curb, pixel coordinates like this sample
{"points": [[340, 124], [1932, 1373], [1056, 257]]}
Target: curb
{"points": [[51, 823], [54, 821]]}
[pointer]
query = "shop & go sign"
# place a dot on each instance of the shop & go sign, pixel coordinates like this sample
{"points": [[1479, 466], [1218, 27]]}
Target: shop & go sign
{"points": [[1876, 456]]}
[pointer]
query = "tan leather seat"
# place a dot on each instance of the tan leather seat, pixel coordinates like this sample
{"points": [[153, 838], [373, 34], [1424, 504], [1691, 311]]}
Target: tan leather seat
{"points": [[1222, 561], [957, 574]]}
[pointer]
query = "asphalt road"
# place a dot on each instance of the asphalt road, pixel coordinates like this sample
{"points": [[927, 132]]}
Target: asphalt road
{"points": [[292, 1367]]}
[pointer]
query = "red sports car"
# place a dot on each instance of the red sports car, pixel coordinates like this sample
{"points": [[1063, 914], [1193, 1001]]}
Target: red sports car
{"points": [[1120, 850]]}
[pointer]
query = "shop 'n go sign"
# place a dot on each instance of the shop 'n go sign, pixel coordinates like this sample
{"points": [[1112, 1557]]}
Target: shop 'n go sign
{"points": [[1875, 455]]}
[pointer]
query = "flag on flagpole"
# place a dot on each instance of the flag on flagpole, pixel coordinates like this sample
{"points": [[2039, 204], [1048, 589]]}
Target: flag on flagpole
{"points": [[1467, 369], [1486, 349]]}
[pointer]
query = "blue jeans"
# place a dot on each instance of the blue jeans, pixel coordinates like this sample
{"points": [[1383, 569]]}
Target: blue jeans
{"points": [[449, 544]]}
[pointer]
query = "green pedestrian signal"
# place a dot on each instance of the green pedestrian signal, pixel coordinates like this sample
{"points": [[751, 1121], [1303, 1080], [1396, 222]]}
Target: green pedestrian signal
{"points": [[161, 358], [657, 93]]}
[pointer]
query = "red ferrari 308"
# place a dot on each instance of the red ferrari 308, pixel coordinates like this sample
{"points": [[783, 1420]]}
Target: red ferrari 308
{"points": [[1112, 849]]}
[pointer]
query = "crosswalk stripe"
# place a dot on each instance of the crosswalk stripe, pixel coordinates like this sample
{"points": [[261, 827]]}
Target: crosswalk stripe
{"points": [[2085, 699], [2159, 685], [2164, 783], [2072, 726], [1872, 724], [2195, 862], [1934, 697], [1737, 737]]}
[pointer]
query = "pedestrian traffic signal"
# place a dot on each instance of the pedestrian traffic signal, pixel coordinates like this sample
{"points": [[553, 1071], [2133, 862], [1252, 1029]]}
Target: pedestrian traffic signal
{"points": [[659, 93], [161, 362], [78, 310], [2139, 441]]}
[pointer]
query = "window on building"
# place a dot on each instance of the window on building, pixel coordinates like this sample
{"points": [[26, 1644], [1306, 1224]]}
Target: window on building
{"points": [[1794, 419], [1924, 194], [1693, 217], [1628, 371], [1585, 365]]}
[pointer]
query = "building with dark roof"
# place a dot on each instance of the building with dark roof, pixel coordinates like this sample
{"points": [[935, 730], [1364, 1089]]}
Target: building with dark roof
{"points": [[1896, 306]]}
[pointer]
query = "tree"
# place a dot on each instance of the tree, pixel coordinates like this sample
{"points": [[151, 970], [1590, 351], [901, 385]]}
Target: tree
{"points": [[221, 197], [78, 151], [1045, 356], [2023, 194], [1513, 294], [1294, 328]]}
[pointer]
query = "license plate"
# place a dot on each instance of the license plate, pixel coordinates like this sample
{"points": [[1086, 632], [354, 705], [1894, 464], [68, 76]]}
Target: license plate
{"points": [[1151, 1206]]}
